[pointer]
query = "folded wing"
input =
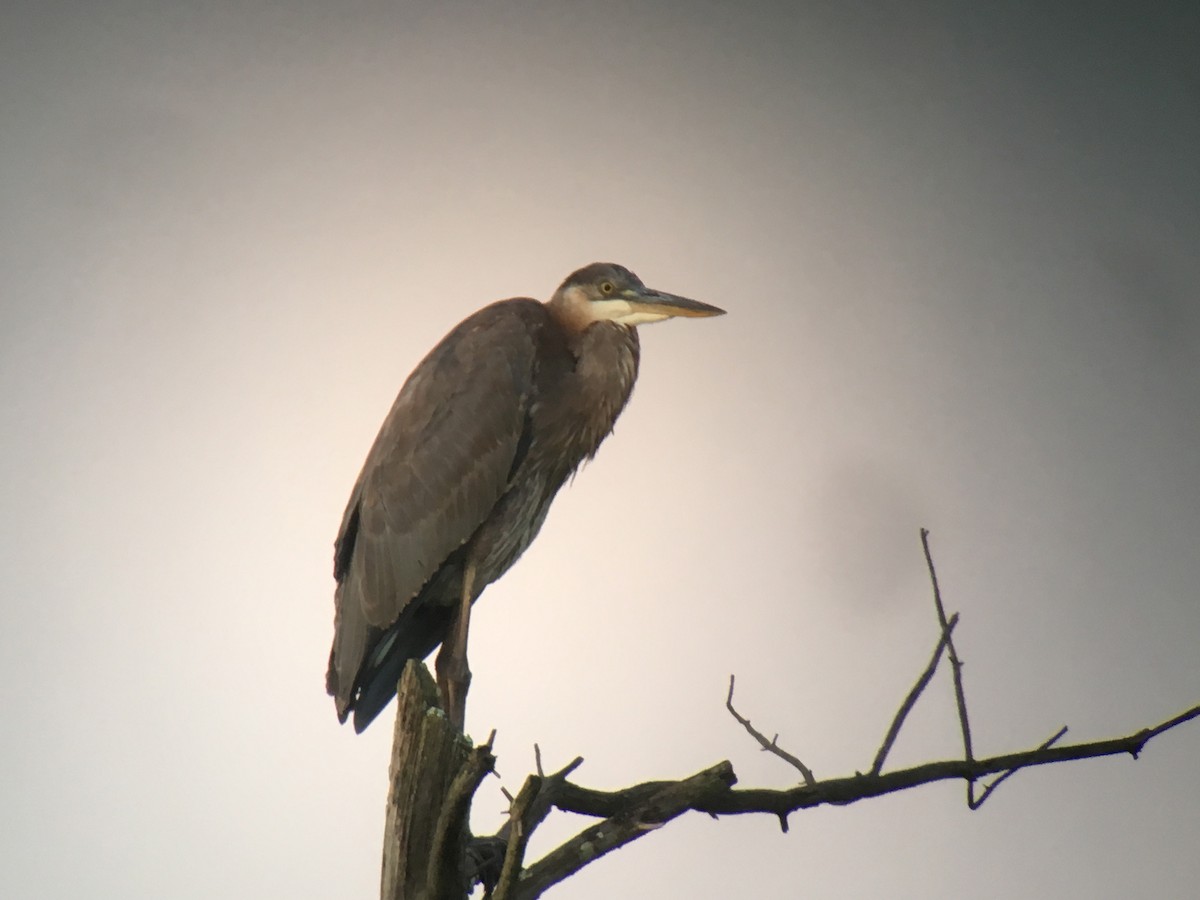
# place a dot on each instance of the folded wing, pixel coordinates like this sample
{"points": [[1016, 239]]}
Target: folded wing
{"points": [[440, 463]]}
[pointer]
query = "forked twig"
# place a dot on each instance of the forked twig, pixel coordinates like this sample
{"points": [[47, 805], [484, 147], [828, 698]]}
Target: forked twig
{"points": [[911, 700], [629, 813], [955, 663], [976, 802], [771, 746]]}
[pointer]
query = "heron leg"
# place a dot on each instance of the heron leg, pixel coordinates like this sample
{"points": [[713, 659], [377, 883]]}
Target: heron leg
{"points": [[454, 676]]}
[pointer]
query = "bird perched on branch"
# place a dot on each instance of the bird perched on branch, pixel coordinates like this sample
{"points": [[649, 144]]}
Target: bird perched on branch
{"points": [[459, 480]]}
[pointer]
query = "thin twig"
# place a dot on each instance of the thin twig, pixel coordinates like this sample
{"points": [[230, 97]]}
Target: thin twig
{"points": [[771, 746], [634, 820], [518, 837], [911, 700], [543, 802], [1184, 716], [976, 802], [530, 814], [851, 789], [630, 806], [956, 665]]}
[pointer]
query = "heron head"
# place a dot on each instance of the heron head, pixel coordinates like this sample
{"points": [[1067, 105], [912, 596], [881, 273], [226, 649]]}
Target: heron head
{"points": [[607, 292]]}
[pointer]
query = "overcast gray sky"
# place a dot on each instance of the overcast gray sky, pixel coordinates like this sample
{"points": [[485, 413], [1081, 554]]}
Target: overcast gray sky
{"points": [[960, 249]]}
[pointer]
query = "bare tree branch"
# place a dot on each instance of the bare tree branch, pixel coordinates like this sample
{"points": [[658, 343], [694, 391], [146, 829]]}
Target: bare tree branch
{"points": [[543, 802], [628, 823], [632, 812], [771, 746], [427, 754], [627, 814], [911, 699], [518, 835], [851, 789], [955, 663], [491, 865], [445, 873], [975, 803]]}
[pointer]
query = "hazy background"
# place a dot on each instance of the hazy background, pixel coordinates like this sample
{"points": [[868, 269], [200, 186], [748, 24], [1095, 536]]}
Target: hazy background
{"points": [[960, 249]]}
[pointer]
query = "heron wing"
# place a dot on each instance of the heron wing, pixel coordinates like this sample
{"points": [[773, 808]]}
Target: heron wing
{"points": [[441, 461]]}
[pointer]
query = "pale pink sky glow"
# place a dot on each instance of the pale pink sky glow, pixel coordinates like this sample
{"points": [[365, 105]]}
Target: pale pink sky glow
{"points": [[959, 251]]}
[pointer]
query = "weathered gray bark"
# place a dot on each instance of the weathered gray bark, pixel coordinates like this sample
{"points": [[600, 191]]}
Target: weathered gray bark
{"points": [[427, 754]]}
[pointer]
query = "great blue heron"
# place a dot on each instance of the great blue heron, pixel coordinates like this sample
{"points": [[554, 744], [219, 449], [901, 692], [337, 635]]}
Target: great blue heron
{"points": [[481, 437]]}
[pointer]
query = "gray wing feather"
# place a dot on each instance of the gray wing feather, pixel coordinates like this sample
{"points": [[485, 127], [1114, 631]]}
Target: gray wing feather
{"points": [[439, 464]]}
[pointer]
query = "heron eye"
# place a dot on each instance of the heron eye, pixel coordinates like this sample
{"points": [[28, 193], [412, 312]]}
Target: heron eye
{"points": [[606, 287]]}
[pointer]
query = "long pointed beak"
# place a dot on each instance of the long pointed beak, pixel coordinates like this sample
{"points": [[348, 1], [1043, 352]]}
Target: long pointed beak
{"points": [[659, 303]]}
